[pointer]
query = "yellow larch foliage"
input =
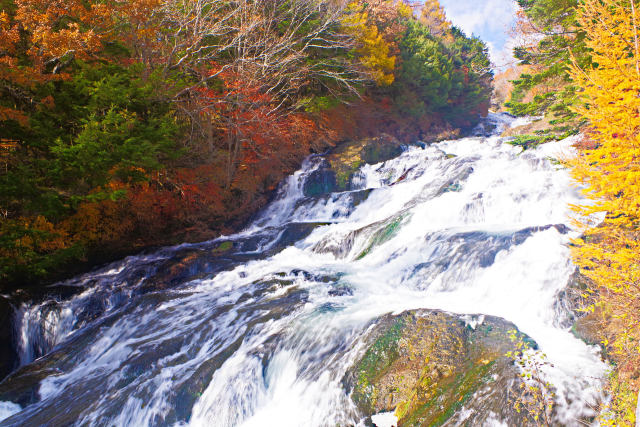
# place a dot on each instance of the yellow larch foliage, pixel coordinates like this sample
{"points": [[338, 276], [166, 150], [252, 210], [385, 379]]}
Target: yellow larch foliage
{"points": [[373, 50], [609, 254], [433, 17], [404, 10]]}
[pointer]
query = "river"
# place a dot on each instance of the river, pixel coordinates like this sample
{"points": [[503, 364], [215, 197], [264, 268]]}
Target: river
{"points": [[259, 328]]}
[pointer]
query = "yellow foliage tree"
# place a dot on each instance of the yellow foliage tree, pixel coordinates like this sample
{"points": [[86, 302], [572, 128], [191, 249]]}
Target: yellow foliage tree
{"points": [[609, 254], [390, 16], [373, 50], [433, 17]]}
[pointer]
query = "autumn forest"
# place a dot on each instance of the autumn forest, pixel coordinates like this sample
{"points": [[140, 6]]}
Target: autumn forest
{"points": [[127, 125]]}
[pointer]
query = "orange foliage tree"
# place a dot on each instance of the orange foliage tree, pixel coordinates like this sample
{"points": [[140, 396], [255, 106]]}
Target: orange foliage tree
{"points": [[255, 130]]}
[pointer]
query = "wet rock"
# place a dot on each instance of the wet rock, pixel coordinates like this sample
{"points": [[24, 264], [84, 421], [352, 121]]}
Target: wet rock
{"points": [[476, 248], [432, 368], [455, 184], [22, 385], [340, 290], [380, 232], [456, 187], [190, 264], [293, 233], [93, 309], [180, 268], [321, 181], [380, 149], [521, 236], [372, 236], [573, 309], [23, 388], [485, 129], [359, 197], [404, 176], [338, 246], [349, 157], [338, 172]]}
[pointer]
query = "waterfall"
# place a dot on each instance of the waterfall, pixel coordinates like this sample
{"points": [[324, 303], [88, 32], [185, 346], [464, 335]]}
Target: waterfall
{"points": [[259, 328]]}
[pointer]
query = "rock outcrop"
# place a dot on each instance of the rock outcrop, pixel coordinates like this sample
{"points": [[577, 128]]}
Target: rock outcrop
{"points": [[435, 368]]}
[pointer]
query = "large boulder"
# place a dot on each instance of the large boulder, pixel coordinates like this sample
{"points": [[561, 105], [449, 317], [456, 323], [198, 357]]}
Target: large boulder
{"points": [[348, 158], [432, 368], [342, 164], [321, 181]]}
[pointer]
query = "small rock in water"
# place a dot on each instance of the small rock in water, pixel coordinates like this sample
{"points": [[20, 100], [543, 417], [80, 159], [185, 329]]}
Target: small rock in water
{"points": [[341, 291]]}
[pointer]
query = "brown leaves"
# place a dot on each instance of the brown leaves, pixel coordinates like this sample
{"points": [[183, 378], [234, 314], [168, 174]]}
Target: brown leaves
{"points": [[60, 27]]}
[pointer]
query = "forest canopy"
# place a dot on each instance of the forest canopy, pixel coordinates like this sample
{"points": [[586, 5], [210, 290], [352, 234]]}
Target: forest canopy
{"points": [[128, 124]]}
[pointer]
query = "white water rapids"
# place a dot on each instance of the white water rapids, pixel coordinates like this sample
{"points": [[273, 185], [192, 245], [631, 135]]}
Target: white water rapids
{"points": [[263, 335]]}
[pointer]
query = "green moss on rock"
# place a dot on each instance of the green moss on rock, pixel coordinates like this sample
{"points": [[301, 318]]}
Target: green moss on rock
{"points": [[379, 357], [386, 233], [223, 247], [346, 160], [428, 366]]}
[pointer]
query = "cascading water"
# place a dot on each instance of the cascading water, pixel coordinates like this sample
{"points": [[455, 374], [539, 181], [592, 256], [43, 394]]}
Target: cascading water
{"points": [[259, 328]]}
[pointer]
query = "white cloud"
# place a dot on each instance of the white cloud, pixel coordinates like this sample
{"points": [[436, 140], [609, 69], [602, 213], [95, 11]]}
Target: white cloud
{"points": [[491, 20], [482, 16], [503, 58]]}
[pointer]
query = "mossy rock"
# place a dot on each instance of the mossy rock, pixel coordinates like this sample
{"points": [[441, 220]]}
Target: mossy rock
{"points": [[378, 233], [223, 247], [347, 159], [385, 232], [380, 150], [431, 368]]}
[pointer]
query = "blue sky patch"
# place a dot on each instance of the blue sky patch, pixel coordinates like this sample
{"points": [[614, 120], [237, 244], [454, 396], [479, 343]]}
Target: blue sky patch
{"points": [[491, 20]]}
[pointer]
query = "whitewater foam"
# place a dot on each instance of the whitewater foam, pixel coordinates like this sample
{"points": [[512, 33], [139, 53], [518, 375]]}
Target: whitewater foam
{"points": [[473, 226]]}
